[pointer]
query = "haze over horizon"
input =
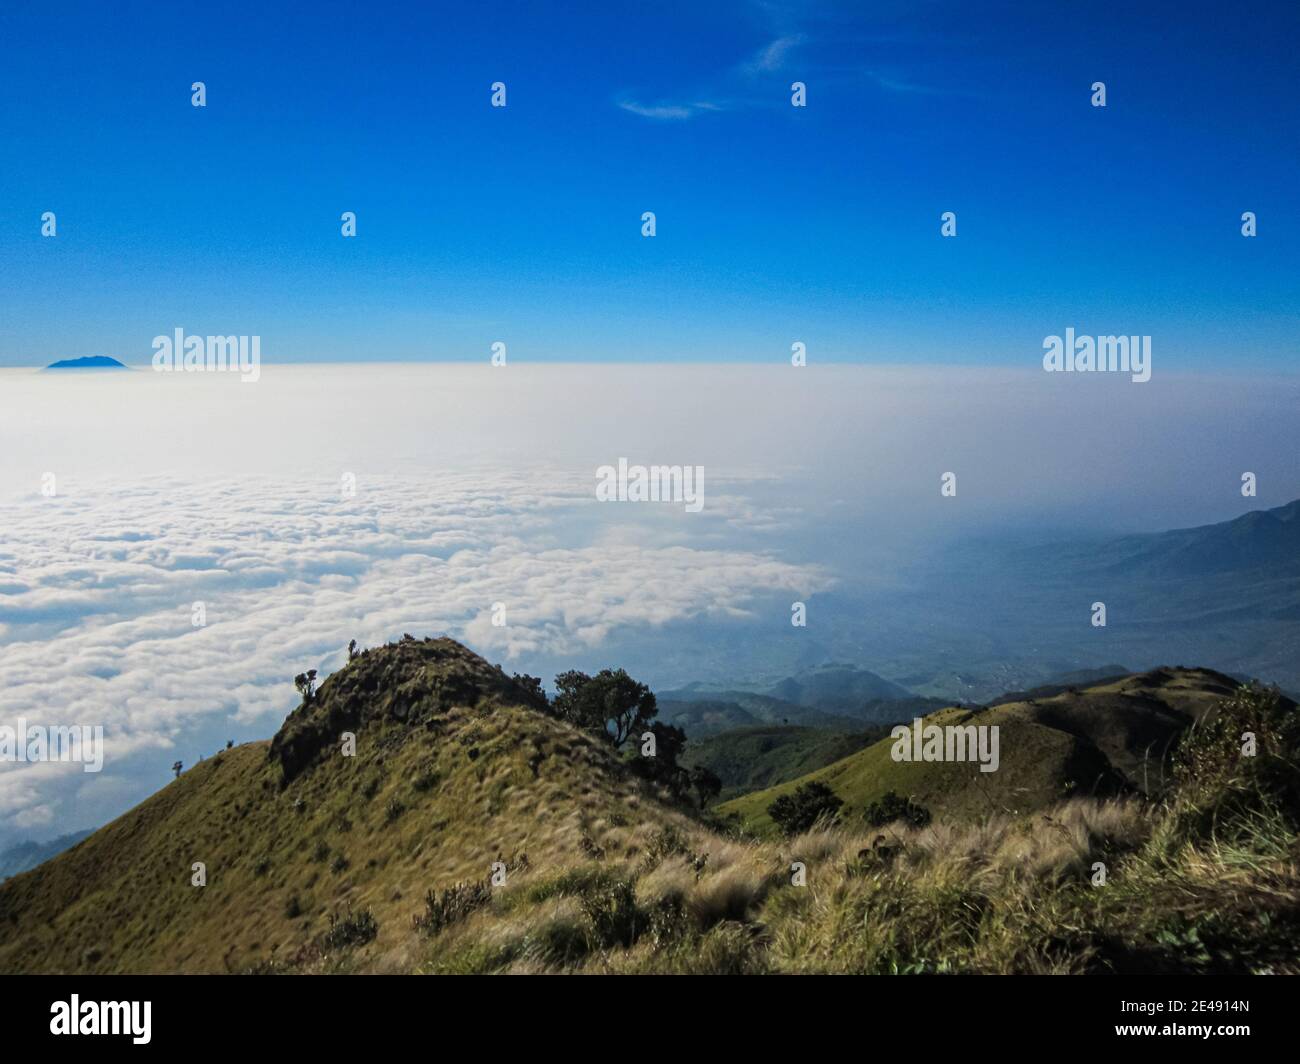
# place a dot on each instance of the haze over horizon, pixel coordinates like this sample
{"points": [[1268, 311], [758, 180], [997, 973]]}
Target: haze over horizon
{"points": [[475, 485]]}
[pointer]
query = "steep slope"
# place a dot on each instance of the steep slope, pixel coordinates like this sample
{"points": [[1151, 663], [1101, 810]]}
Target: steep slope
{"points": [[1104, 740], [454, 770]]}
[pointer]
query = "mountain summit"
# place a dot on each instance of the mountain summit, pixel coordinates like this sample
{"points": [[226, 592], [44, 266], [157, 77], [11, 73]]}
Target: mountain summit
{"points": [[413, 684]]}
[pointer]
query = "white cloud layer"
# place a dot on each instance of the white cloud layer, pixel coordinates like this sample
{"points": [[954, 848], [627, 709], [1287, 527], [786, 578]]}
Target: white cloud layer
{"points": [[173, 490], [99, 586]]}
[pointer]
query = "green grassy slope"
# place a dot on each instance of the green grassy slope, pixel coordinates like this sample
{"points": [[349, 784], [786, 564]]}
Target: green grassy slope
{"points": [[1099, 740], [751, 759]]}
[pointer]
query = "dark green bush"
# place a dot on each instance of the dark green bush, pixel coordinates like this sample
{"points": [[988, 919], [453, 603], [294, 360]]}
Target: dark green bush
{"points": [[354, 929], [893, 807], [808, 804], [615, 918]]}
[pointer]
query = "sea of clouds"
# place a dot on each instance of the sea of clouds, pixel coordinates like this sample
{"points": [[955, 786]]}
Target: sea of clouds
{"points": [[98, 590], [475, 485]]}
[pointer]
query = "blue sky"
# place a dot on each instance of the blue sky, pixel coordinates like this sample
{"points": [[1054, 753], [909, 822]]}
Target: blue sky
{"points": [[775, 224]]}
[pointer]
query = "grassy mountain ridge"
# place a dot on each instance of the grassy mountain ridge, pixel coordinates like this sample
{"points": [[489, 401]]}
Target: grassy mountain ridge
{"points": [[448, 777], [318, 861]]}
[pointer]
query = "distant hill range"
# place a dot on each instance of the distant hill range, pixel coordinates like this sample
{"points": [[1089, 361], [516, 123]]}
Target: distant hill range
{"points": [[982, 617], [87, 362], [834, 697], [1261, 539]]}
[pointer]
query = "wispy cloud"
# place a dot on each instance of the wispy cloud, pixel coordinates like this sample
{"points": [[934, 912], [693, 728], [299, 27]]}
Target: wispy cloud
{"points": [[668, 112], [826, 44], [772, 57]]}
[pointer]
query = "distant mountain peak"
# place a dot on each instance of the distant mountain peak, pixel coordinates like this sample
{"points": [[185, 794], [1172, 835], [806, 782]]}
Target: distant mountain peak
{"points": [[836, 686], [87, 362]]}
